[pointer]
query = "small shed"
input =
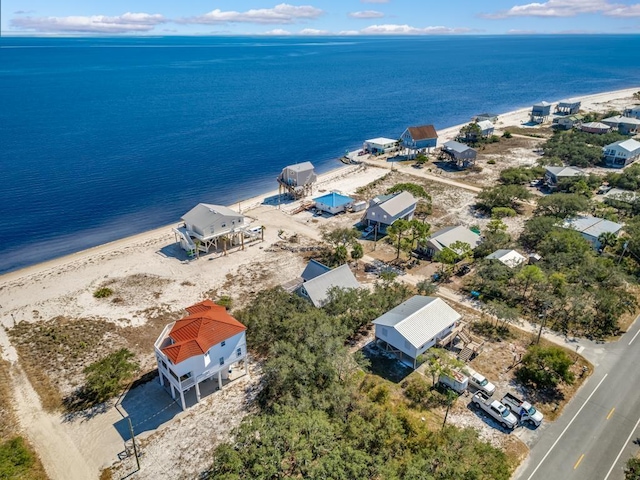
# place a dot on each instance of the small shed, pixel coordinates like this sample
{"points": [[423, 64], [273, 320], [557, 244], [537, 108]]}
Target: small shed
{"points": [[540, 112], [570, 106], [359, 206], [459, 153], [379, 145], [595, 127], [333, 203], [510, 258]]}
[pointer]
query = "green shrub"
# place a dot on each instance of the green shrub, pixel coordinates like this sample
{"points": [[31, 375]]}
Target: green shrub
{"points": [[15, 459], [502, 212], [107, 377], [632, 470], [103, 292], [507, 134], [545, 367], [491, 161], [225, 301]]}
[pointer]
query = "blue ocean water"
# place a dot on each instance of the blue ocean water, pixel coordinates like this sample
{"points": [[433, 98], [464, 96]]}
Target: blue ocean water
{"points": [[101, 138]]}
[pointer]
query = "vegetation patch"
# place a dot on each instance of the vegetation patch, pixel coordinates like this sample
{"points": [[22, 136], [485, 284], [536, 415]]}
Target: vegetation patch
{"points": [[103, 292]]}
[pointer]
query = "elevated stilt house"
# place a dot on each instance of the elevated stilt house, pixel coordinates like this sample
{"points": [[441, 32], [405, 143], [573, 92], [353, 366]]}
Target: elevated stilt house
{"points": [[540, 112], [419, 139], [458, 153], [297, 180], [570, 106]]}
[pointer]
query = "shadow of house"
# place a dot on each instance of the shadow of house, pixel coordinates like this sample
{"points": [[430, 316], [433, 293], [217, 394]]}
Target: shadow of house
{"points": [[384, 364]]}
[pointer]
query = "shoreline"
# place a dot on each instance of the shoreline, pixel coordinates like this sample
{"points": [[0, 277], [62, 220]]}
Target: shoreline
{"points": [[511, 118]]}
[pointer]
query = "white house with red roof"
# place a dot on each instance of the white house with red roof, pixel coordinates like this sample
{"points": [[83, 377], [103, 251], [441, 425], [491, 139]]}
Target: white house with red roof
{"points": [[201, 346]]}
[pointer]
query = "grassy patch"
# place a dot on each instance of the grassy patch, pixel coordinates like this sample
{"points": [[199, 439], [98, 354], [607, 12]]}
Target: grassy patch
{"points": [[19, 461], [103, 292]]}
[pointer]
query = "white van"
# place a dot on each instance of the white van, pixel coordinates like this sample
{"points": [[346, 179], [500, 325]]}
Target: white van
{"points": [[480, 382]]}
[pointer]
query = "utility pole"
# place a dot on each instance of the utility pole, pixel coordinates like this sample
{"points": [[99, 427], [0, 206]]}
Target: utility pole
{"points": [[542, 324], [133, 439]]}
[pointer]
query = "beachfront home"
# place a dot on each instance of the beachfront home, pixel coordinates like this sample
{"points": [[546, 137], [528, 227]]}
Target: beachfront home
{"points": [[510, 258], [622, 153], [444, 238], [414, 326], [385, 209], [633, 111], [317, 281], [204, 345], [492, 117], [462, 155], [624, 125], [595, 127], [420, 138], [553, 175], [540, 112], [379, 145], [297, 180], [616, 195], [206, 226], [592, 227], [568, 107], [333, 203], [486, 128], [568, 122]]}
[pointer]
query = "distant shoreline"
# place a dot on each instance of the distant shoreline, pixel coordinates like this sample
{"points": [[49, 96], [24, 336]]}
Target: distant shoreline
{"points": [[511, 118]]}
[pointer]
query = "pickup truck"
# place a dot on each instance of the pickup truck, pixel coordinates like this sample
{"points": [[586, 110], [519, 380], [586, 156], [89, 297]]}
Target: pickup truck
{"points": [[496, 409], [524, 410], [479, 382]]}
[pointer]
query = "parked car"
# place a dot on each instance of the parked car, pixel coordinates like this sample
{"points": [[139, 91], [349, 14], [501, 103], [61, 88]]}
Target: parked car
{"points": [[456, 381], [368, 231], [480, 382], [522, 409], [496, 410]]}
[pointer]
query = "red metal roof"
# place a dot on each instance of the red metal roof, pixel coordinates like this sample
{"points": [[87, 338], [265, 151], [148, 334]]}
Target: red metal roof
{"points": [[206, 325]]}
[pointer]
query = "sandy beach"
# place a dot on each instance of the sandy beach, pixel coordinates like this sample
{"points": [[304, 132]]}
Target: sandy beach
{"points": [[151, 274]]}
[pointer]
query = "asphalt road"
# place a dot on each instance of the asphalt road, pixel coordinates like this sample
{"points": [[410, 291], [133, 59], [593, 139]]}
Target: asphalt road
{"points": [[600, 428]]}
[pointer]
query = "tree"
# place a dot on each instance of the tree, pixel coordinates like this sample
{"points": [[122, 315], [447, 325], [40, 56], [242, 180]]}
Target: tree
{"points": [[105, 378], [607, 239], [340, 236], [439, 362], [530, 275], [632, 469], [519, 175], [340, 255], [545, 367], [562, 205], [357, 252], [418, 233], [426, 287], [502, 196], [536, 229], [396, 233], [470, 133], [414, 189]]}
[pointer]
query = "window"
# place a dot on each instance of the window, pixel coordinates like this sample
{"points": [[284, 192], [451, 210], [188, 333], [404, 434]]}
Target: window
{"points": [[223, 343], [221, 360], [224, 225], [185, 376], [164, 365], [173, 374], [239, 351]]}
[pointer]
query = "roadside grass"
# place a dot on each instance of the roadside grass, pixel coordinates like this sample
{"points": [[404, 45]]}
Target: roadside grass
{"points": [[537, 132], [506, 145]]}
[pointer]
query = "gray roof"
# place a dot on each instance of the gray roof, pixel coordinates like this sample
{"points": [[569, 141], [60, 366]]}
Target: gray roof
{"points": [[510, 258], [629, 145], [596, 125], [203, 213], [317, 288], [542, 104], [592, 226], [444, 238], [313, 270], [565, 171], [621, 195], [485, 125], [623, 120], [301, 167], [419, 319], [457, 146], [398, 203]]}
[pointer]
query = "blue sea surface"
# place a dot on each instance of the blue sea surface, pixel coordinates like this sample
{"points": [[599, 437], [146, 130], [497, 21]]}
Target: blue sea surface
{"points": [[101, 138]]}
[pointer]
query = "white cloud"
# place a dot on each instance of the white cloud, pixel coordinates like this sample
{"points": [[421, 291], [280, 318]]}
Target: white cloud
{"points": [[391, 29], [280, 14], [126, 23], [278, 32], [568, 8], [313, 31], [348, 33], [366, 14]]}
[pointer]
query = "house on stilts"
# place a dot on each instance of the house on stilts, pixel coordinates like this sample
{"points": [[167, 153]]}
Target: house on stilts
{"points": [[297, 180]]}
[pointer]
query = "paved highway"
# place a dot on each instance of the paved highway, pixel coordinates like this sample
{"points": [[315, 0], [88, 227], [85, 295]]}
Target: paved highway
{"points": [[599, 429]]}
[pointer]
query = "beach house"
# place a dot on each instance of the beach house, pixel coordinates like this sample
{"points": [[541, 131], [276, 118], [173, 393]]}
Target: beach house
{"points": [[379, 145], [622, 153], [540, 112], [595, 127], [592, 227], [633, 111], [570, 106], [567, 122], [554, 175], [385, 209], [297, 180], [318, 280], [204, 345], [492, 117], [333, 203], [460, 154], [510, 258], [624, 125], [417, 139], [208, 226], [486, 128], [444, 238], [414, 326]]}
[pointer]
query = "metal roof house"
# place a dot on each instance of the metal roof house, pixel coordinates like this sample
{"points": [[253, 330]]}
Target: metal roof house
{"points": [[570, 106], [510, 258], [595, 127], [620, 195], [205, 344], [206, 225], [486, 127], [592, 227], [553, 175], [386, 209], [333, 203], [316, 289], [633, 111], [462, 155], [444, 238], [297, 180], [380, 145], [414, 326], [568, 122], [625, 125], [419, 138], [540, 112], [492, 117], [622, 153]]}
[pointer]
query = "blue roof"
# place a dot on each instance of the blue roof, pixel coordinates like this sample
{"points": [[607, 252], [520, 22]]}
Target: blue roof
{"points": [[334, 199]]}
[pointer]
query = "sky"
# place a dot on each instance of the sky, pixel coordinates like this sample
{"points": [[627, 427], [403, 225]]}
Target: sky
{"points": [[317, 17]]}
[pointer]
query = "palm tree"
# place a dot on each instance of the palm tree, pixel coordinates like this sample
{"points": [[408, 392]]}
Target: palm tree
{"points": [[607, 239]]}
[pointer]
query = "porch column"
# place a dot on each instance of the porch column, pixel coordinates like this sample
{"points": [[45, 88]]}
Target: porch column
{"points": [[219, 379], [173, 392], [161, 379], [184, 407], [246, 366], [197, 391]]}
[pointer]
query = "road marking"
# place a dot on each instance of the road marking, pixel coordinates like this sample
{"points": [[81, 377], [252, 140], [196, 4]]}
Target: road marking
{"points": [[567, 428], [634, 337], [578, 462], [611, 413], [622, 449]]}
